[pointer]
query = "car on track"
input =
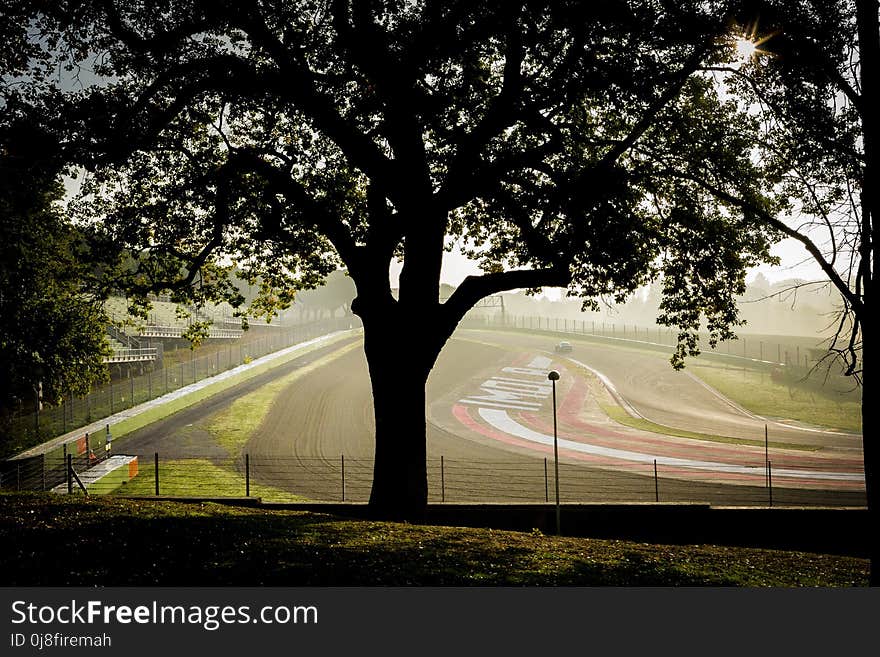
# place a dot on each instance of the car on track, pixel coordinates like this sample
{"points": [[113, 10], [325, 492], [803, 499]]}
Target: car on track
{"points": [[563, 347]]}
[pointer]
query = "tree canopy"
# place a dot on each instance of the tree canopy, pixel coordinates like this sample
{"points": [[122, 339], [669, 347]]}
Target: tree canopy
{"points": [[52, 334], [814, 84], [569, 142]]}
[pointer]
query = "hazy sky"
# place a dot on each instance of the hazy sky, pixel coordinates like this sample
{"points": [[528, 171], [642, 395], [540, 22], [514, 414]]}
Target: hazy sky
{"points": [[796, 263]]}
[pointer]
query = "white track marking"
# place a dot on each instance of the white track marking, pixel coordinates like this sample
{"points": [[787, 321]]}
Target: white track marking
{"points": [[541, 363], [503, 422]]}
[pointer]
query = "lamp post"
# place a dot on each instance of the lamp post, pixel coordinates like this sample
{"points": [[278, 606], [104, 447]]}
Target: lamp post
{"points": [[554, 377]]}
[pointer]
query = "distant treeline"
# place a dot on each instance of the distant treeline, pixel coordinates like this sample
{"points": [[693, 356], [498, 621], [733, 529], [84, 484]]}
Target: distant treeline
{"points": [[789, 307]]}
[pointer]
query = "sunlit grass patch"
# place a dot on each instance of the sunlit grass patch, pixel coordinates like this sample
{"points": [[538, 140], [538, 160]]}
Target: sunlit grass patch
{"points": [[620, 416], [757, 392], [199, 478]]}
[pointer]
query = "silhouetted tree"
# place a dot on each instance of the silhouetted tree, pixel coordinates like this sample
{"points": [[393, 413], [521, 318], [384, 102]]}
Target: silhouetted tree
{"points": [[814, 81], [292, 137], [52, 333]]}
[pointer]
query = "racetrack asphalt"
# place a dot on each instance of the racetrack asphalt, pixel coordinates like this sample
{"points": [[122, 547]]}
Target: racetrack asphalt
{"points": [[325, 418]]}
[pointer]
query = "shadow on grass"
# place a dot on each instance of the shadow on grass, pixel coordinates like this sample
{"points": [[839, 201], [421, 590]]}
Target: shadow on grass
{"points": [[45, 541]]}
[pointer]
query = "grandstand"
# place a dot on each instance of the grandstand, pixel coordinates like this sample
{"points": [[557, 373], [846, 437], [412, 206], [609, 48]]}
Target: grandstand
{"points": [[163, 321]]}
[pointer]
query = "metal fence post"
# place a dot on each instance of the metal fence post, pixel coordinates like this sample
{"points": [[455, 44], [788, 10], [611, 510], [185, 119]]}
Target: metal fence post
{"points": [[69, 471], [442, 480], [247, 475], [156, 470], [656, 483], [546, 482], [343, 476], [770, 481], [43, 471]]}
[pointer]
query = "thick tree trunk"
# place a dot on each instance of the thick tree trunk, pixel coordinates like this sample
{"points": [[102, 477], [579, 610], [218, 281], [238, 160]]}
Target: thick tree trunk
{"points": [[869, 70], [870, 447], [399, 359]]}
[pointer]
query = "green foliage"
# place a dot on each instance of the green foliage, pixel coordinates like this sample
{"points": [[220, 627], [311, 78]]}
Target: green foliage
{"points": [[557, 138], [51, 330], [573, 144]]}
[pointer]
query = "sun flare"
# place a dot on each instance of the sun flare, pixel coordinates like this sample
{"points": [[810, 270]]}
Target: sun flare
{"points": [[745, 49], [747, 44]]}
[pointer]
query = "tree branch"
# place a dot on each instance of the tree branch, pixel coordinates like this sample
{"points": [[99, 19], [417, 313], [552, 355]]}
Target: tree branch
{"points": [[296, 83], [323, 218], [474, 288], [853, 299], [500, 113]]}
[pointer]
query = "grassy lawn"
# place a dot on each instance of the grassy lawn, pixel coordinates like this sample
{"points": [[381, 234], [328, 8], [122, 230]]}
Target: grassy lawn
{"points": [[756, 391], [196, 478], [130, 542]]}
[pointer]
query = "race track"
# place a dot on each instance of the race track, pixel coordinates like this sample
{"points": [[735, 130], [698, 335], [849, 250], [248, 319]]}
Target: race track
{"points": [[494, 445], [490, 427]]}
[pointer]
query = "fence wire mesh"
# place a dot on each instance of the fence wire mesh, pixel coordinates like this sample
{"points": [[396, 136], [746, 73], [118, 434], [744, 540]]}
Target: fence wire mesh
{"points": [[295, 479], [285, 478], [141, 382]]}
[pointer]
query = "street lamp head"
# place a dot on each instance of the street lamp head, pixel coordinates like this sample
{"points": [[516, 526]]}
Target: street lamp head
{"points": [[553, 375]]}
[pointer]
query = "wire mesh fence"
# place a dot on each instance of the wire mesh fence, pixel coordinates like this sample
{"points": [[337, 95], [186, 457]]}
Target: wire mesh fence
{"points": [[800, 354], [285, 478], [349, 479], [145, 381]]}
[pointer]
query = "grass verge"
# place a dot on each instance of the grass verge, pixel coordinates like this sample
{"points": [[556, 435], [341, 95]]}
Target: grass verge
{"points": [[169, 408], [234, 426], [620, 416], [197, 478], [135, 543], [757, 392]]}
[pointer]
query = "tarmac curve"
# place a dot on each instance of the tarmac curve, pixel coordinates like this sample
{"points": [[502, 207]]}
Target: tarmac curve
{"points": [[325, 419]]}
